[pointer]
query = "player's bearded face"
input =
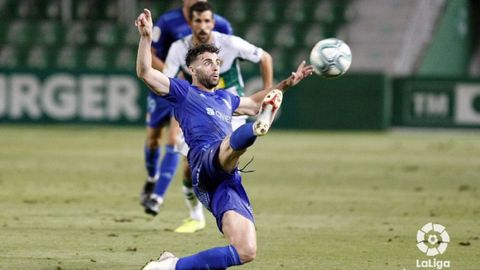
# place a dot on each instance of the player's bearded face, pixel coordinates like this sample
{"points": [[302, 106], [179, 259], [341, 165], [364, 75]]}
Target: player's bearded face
{"points": [[206, 80], [202, 25], [207, 70]]}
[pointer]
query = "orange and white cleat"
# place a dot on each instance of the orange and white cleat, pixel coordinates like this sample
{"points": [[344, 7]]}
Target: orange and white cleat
{"points": [[270, 105]]}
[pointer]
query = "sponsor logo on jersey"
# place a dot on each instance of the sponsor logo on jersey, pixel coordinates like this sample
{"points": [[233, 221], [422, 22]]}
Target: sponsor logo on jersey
{"points": [[222, 116]]}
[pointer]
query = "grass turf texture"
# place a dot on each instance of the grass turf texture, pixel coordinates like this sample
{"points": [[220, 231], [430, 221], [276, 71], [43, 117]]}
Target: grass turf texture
{"points": [[69, 200]]}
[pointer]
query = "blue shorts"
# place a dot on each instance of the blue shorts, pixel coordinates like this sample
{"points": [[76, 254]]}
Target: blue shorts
{"points": [[218, 190], [159, 111]]}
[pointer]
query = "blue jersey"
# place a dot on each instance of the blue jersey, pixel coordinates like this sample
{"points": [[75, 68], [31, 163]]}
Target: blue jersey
{"points": [[172, 26], [205, 117]]}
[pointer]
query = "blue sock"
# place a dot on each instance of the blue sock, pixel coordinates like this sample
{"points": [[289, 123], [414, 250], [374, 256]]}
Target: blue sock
{"points": [[243, 137], [151, 160], [167, 170], [214, 259]]}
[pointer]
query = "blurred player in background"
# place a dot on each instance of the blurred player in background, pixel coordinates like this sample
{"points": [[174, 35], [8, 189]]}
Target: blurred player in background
{"points": [[232, 49], [205, 117], [170, 27]]}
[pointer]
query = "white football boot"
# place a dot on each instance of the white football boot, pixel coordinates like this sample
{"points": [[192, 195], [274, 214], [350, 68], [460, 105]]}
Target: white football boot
{"points": [[270, 105], [167, 261]]}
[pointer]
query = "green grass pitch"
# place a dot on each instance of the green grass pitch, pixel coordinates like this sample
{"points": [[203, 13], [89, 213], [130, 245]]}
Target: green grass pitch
{"points": [[322, 200]]}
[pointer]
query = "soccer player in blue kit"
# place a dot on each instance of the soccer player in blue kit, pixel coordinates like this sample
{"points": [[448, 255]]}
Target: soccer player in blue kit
{"points": [[171, 26], [233, 50], [205, 117]]}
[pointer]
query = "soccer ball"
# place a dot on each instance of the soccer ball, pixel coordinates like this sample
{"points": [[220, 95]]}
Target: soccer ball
{"points": [[331, 57]]}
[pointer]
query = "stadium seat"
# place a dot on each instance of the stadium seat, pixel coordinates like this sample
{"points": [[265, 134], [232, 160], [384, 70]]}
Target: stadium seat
{"points": [[53, 9], [96, 10], [237, 11], [124, 58], [285, 36], [48, 33], [10, 56], [19, 33], [130, 35], [96, 58], [256, 35], [265, 11], [68, 57], [107, 34], [294, 12], [110, 10], [323, 12], [27, 9], [77, 33], [313, 35], [84, 9], [38, 58]]}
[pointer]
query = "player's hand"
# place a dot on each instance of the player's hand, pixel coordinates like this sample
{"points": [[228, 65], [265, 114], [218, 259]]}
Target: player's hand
{"points": [[301, 73], [144, 23]]}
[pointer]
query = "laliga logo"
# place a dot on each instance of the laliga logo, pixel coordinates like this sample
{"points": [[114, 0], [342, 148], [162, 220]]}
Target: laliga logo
{"points": [[432, 239]]}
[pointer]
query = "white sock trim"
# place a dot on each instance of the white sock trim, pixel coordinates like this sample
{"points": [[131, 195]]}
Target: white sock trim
{"points": [[194, 206]]}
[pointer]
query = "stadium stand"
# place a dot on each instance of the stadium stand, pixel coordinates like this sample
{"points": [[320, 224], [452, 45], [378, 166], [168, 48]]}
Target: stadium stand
{"points": [[41, 34], [379, 28]]}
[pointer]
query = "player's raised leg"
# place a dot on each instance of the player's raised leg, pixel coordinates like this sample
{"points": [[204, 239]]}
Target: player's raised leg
{"points": [[269, 108], [236, 144]]}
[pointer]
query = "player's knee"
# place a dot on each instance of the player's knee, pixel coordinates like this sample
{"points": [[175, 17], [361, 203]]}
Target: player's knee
{"points": [[248, 253]]}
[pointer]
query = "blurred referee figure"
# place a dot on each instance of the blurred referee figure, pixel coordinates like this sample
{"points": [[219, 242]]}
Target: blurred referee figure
{"points": [[205, 116], [169, 27]]}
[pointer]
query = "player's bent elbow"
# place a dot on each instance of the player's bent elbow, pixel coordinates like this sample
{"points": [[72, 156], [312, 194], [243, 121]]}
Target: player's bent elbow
{"points": [[147, 75], [141, 72]]}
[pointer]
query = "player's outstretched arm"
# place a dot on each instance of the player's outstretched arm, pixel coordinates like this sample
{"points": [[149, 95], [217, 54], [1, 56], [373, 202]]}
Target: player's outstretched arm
{"points": [[251, 104], [156, 80]]}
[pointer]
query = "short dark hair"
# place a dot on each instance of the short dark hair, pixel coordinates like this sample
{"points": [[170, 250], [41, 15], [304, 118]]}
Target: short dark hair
{"points": [[194, 52], [199, 7]]}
